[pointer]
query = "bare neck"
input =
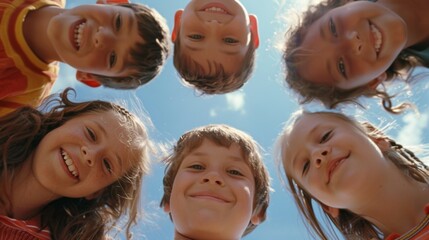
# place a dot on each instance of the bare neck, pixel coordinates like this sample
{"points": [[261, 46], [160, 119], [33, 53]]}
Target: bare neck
{"points": [[35, 28], [415, 13], [397, 206], [28, 196]]}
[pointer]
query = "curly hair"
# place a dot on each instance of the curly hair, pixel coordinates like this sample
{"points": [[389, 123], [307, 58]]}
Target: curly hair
{"points": [[148, 57], [224, 136], [74, 218], [330, 96], [351, 225]]}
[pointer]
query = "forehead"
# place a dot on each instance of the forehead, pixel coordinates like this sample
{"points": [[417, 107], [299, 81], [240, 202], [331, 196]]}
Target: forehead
{"points": [[211, 151], [212, 61], [315, 53]]}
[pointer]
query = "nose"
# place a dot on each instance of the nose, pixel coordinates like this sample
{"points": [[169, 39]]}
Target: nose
{"points": [[87, 156], [319, 156], [102, 37], [352, 43], [213, 177]]}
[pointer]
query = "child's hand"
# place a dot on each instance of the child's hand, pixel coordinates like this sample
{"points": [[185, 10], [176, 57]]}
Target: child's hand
{"points": [[112, 1]]}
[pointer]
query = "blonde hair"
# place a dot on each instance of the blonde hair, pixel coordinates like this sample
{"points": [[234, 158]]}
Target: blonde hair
{"points": [[351, 225]]}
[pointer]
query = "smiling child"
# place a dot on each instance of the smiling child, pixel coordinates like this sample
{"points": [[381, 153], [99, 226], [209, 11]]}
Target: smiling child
{"points": [[216, 185]]}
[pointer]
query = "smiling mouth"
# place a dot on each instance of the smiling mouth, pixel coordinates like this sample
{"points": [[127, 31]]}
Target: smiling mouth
{"points": [[77, 33], [378, 38], [334, 166], [210, 197], [215, 8], [70, 164]]}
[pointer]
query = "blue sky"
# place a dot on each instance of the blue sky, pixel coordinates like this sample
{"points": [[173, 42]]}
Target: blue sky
{"points": [[259, 108]]}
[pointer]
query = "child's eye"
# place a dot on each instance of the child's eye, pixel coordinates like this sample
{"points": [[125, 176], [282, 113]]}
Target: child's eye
{"points": [[326, 136], [112, 59], [91, 134], [195, 36], [305, 168], [332, 27], [107, 166], [118, 22], [342, 68], [196, 167], [230, 40], [235, 172]]}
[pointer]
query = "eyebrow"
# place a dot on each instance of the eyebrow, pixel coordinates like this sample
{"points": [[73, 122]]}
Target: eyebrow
{"points": [[228, 52], [118, 158], [311, 132], [131, 25], [202, 154], [119, 161], [321, 32]]}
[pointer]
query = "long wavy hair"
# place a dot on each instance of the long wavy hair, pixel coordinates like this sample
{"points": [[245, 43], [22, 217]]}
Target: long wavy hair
{"points": [[74, 218], [349, 224], [330, 96]]}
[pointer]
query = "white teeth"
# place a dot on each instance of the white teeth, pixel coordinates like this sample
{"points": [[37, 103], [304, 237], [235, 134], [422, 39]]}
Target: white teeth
{"points": [[215, 9], [69, 162], [78, 33], [377, 36]]}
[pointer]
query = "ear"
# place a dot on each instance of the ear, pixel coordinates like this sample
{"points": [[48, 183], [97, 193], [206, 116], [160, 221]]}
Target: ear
{"points": [[256, 218], [382, 143], [375, 82], [254, 30], [167, 208], [333, 212], [87, 79], [176, 27], [94, 195]]}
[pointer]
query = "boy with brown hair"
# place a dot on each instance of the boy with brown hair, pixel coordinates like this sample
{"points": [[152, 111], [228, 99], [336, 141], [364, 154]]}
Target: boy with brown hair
{"points": [[116, 45], [214, 45], [215, 184]]}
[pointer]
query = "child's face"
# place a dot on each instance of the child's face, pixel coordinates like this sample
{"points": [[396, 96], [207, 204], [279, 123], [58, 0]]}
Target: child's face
{"points": [[215, 31], [212, 194], [352, 45], [95, 38], [333, 160], [83, 156]]}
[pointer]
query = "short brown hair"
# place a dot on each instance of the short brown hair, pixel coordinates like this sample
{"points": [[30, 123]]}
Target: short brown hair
{"points": [[149, 57], [225, 136], [216, 81]]}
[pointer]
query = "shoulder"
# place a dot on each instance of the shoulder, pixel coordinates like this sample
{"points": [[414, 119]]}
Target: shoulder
{"points": [[19, 228]]}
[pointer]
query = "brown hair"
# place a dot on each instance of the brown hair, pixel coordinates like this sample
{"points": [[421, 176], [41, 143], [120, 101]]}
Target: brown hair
{"points": [[216, 81], [224, 136], [351, 225], [74, 218], [330, 96], [147, 57]]}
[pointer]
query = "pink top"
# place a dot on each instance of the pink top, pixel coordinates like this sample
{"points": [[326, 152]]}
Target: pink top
{"points": [[13, 229]]}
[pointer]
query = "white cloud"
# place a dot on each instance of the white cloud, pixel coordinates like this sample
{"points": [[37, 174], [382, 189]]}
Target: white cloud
{"points": [[235, 101], [213, 113], [412, 132]]}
